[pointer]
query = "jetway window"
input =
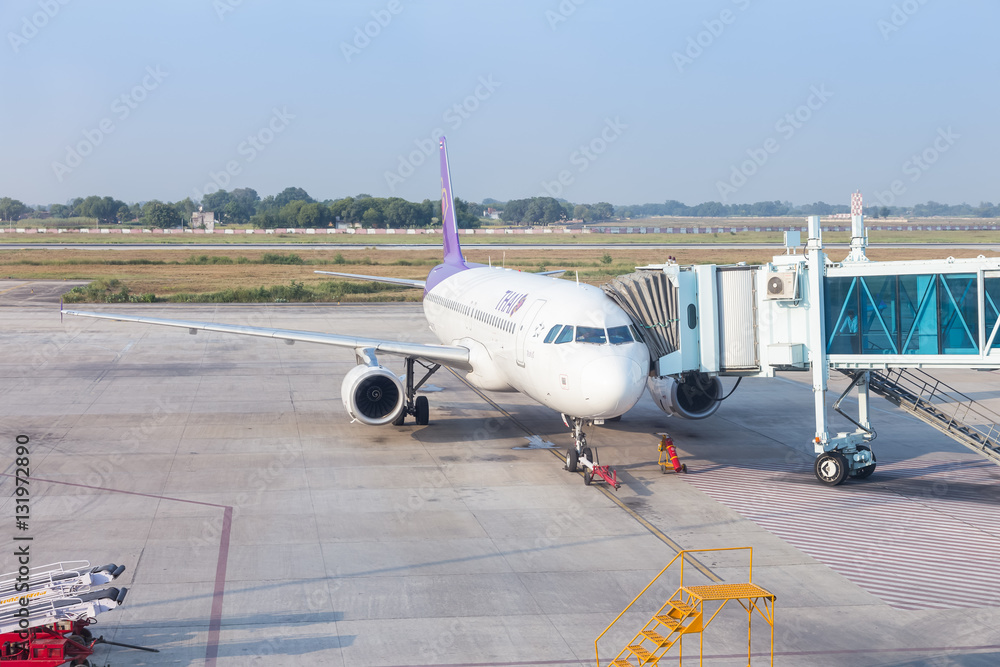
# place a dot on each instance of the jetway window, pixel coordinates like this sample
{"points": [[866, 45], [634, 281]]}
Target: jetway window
{"points": [[992, 310], [959, 314], [914, 314]]}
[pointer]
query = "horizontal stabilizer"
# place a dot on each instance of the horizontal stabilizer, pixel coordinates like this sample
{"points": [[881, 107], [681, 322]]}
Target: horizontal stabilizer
{"points": [[394, 281]]}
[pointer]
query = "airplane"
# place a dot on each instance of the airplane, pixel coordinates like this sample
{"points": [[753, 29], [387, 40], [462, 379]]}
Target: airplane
{"points": [[566, 345]]}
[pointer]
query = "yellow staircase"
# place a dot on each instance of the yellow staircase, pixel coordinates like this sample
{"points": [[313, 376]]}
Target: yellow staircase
{"points": [[684, 614]]}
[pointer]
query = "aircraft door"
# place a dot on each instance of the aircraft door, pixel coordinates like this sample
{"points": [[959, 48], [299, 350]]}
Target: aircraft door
{"points": [[527, 328]]}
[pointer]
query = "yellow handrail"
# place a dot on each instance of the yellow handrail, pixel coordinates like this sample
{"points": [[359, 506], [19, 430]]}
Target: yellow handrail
{"points": [[681, 555]]}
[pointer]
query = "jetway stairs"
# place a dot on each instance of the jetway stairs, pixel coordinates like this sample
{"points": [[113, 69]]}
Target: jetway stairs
{"points": [[932, 401]]}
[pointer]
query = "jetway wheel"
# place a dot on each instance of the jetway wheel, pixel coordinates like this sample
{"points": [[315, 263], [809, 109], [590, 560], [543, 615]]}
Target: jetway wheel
{"points": [[866, 472], [571, 458], [831, 468], [423, 411]]}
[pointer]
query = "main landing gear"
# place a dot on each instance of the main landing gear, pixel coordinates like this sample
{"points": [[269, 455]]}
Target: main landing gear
{"points": [[416, 405], [581, 456]]}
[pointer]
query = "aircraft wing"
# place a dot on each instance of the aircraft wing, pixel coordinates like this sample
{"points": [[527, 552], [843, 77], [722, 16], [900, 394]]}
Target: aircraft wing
{"points": [[452, 356], [550, 273], [395, 281]]}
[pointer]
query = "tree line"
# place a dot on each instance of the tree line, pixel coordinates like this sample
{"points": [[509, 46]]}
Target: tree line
{"points": [[293, 207]]}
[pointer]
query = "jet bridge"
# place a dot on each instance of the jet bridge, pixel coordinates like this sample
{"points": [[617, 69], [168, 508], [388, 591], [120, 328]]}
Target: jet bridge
{"points": [[887, 325]]}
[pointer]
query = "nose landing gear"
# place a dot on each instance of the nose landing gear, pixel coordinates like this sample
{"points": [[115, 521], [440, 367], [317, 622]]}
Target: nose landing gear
{"points": [[581, 456]]}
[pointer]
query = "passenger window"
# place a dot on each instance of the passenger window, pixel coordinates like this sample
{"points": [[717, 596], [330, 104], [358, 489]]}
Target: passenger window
{"points": [[551, 335], [619, 335], [565, 336], [591, 335]]}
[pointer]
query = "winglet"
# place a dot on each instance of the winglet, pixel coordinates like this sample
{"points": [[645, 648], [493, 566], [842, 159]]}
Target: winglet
{"points": [[452, 248]]}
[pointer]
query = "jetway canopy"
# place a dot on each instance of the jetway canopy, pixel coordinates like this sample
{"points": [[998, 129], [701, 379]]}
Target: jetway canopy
{"points": [[650, 299]]}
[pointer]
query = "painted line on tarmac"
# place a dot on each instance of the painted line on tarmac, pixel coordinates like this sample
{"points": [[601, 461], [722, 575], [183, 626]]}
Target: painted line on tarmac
{"points": [[24, 284], [659, 534], [219, 589]]}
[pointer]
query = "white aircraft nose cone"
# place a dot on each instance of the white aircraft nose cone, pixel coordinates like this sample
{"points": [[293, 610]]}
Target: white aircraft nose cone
{"points": [[612, 385]]}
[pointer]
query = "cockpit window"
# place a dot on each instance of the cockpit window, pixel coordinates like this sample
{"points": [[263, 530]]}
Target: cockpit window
{"points": [[551, 335], [635, 333], [591, 335], [619, 335], [565, 336]]}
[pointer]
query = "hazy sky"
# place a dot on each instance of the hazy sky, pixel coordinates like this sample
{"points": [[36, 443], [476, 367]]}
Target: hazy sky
{"points": [[591, 100]]}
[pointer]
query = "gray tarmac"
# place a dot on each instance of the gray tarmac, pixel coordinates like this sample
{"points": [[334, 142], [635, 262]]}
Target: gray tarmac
{"points": [[260, 527]]}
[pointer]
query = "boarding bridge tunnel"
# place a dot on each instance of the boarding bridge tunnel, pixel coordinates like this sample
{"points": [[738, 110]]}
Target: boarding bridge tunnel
{"points": [[886, 325]]}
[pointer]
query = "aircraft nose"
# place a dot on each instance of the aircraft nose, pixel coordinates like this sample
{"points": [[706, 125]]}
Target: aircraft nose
{"points": [[612, 385]]}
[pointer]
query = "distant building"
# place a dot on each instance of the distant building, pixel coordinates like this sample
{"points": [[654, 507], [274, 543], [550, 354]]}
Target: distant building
{"points": [[204, 219]]}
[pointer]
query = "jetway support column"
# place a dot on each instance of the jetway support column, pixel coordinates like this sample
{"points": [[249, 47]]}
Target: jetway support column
{"points": [[847, 454], [863, 402], [817, 325]]}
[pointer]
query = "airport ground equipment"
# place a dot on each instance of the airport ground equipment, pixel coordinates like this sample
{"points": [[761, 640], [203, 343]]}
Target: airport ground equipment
{"points": [[887, 325], [668, 455], [587, 459], [689, 611], [44, 624]]}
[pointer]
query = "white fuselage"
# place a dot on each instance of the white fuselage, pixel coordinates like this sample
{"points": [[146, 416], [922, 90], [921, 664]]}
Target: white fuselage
{"points": [[566, 345]]}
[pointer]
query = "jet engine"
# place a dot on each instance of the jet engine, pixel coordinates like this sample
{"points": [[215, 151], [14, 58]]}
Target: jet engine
{"points": [[695, 396], [373, 395]]}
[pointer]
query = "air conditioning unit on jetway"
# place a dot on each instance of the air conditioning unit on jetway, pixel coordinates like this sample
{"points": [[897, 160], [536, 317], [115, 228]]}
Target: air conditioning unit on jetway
{"points": [[783, 285]]}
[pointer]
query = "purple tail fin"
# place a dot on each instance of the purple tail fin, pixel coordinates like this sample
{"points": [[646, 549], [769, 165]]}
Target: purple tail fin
{"points": [[452, 249]]}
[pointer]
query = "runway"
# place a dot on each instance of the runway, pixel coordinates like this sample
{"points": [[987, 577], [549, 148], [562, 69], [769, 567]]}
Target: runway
{"points": [[260, 527]]}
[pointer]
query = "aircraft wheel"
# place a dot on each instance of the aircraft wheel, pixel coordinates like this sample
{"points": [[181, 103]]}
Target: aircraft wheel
{"points": [[400, 420], [831, 468], [423, 411], [588, 454], [571, 459], [588, 477]]}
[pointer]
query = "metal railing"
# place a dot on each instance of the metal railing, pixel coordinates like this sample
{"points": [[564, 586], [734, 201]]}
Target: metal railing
{"points": [[945, 408], [682, 555]]}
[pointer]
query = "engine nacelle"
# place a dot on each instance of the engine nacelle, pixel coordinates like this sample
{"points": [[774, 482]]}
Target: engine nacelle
{"points": [[694, 398], [373, 395]]}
